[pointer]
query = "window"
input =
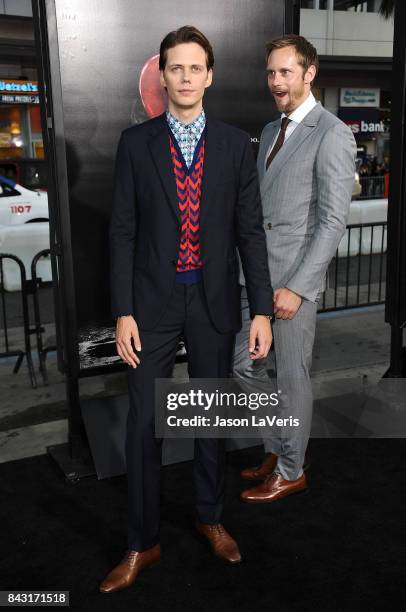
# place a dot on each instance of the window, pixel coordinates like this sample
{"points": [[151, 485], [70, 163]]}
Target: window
{"points": [[6, 190]]}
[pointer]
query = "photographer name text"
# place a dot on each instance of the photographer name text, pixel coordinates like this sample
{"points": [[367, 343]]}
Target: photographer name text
{"points": [[252, 421]]}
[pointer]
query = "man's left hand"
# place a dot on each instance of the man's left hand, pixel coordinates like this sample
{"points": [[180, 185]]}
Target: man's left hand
{"points": [[286, 303], [260, 337]]}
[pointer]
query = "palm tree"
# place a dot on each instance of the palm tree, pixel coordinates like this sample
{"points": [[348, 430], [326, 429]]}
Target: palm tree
{"points": [[387, 8]]}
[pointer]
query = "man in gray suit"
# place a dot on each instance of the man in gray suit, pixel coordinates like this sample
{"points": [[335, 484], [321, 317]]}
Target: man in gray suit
{"points": [[306, 164]]}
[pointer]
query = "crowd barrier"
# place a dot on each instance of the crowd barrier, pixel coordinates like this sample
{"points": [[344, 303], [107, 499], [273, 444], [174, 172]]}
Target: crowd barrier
{"points": [[28, 287]]}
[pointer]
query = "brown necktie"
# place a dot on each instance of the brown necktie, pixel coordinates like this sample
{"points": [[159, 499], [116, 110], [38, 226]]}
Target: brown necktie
{"points": [[279, 141]]}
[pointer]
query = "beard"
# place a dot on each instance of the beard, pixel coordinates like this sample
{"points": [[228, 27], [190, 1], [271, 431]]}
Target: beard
{"points": [[291, 100]]}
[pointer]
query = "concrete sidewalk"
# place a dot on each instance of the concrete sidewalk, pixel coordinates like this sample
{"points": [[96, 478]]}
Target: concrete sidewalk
{"points": [[351, 352]]}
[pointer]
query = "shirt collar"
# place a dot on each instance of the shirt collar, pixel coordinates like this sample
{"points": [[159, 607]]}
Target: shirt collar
{"points": [[195, 126], [301, 111]]}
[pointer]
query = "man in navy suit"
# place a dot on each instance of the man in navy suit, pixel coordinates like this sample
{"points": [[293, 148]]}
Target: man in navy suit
{"points": [[186, 197]]}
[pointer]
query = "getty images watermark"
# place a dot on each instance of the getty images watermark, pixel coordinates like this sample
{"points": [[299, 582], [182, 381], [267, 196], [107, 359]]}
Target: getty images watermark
{"points": [[219, 408]]}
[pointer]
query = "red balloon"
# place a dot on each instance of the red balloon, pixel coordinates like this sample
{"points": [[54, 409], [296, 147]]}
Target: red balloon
{"points": [[153, 95]]}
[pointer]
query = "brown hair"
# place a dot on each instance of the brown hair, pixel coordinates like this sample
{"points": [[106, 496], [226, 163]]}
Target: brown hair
{"points": [[305, 52], [185, 34]]}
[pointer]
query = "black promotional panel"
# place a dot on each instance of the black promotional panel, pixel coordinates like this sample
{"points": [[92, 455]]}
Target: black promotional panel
{"points": [[108, 63], [395, 307]]}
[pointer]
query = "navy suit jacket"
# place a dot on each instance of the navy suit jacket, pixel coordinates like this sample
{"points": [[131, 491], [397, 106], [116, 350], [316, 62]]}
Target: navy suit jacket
{"points": [[145, 226]]}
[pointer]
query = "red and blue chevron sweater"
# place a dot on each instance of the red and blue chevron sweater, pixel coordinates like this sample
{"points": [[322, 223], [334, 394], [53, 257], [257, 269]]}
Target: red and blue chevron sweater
{"points": [[189, 189]]}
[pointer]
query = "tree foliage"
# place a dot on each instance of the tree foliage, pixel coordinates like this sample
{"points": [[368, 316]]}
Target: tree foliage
{"points": [[387, 8]]}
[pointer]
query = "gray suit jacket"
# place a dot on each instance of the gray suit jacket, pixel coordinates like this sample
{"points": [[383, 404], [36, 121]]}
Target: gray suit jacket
{"points": [[306, 195]]}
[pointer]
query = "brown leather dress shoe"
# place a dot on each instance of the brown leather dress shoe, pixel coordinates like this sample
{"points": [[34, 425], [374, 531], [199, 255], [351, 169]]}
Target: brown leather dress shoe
{"points": [[273, 488], [222, 544], [260, 472], [125, 573]]}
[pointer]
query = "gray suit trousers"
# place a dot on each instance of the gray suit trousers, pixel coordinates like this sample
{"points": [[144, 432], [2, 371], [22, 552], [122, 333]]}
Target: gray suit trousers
{"points": [[292, 357]]}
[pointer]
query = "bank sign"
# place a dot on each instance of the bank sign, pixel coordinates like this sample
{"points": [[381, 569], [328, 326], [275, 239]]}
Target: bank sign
{"points": [[358, 126], [18, 92], [363, 120], [361, 98]]}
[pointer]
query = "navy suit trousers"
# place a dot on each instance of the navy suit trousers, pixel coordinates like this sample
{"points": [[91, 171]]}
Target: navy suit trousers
{"points": [[209, 356]]}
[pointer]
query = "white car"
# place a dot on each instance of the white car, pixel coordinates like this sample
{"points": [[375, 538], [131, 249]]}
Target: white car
{"points": [[24, 231], [20, 205]]}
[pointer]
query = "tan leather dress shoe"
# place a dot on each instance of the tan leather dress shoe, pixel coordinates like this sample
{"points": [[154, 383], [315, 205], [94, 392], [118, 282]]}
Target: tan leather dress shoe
{"points": [[222, 544], [260, 472], [273, 488], [125, 573]]}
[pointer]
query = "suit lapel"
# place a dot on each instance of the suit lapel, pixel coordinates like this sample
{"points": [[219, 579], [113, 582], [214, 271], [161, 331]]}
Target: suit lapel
{"points": [[262, 153], [214, 146], [301, 132], [161, 154]]}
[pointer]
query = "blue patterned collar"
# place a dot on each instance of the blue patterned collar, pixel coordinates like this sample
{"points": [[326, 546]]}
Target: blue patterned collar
{"points": [[187, 134]]}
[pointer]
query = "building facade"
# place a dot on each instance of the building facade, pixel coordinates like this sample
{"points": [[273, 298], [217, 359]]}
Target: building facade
{"points": [[355, 45], [21, 141]]}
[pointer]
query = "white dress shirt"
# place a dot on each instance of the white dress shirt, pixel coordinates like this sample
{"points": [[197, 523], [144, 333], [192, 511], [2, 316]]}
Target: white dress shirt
{"points": [[295, 118]]}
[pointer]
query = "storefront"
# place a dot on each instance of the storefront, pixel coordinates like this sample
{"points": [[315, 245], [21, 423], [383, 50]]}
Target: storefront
{"points": [[358, 90], [367, 112], [20, 120]]}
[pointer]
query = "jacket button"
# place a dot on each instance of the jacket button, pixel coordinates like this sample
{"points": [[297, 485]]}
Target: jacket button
{"points": [[269, 225]]}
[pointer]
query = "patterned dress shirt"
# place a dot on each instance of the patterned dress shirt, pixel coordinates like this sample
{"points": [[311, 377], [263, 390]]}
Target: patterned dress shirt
{"points": [[187, 135]]}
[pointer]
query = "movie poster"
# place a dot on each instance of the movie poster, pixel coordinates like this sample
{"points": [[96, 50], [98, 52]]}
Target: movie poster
{"points": [[108, 56]]}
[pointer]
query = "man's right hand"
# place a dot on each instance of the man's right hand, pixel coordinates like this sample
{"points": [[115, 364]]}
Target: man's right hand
{"points": [[126, 330]]}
